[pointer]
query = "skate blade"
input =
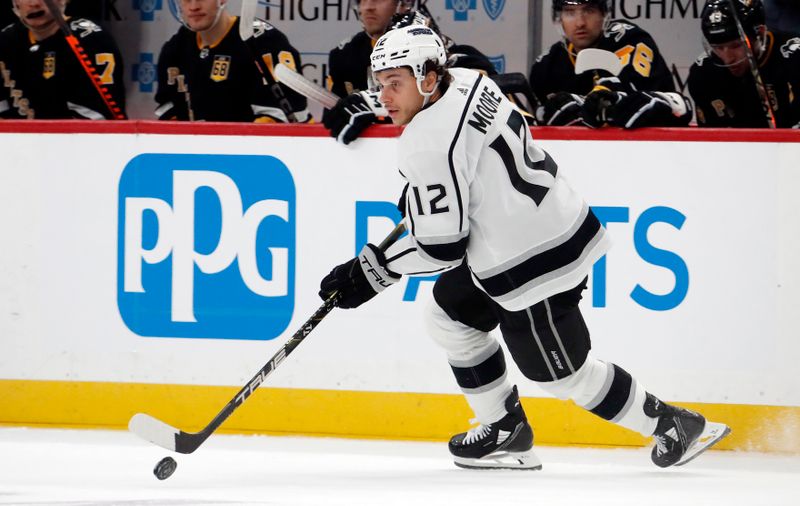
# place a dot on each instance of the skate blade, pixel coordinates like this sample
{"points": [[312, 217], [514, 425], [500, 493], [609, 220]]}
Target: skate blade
{"points": [[712, 433], [502, 460]]}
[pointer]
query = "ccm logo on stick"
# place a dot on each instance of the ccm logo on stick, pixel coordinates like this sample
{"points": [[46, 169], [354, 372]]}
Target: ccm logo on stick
{"points": [[206, 246]]}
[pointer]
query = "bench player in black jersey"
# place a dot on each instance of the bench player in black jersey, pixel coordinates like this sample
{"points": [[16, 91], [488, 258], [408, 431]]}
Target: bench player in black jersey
{"points": [[350, 73], [721, 82], [206, 72], [40, 75], [642, 95]]}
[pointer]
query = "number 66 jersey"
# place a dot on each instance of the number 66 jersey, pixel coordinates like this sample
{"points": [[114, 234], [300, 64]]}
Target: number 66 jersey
{"points": [[478, 188]]}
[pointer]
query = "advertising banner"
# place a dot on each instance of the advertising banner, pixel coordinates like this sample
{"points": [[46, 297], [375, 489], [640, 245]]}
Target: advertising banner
{"points": [[189, 258]]}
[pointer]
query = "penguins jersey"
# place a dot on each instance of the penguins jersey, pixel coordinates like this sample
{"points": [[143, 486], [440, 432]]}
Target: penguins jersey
{"points": [[221, 82], [724, 100], [642, 63], [45, 80], [349, 67], [480, 189]]}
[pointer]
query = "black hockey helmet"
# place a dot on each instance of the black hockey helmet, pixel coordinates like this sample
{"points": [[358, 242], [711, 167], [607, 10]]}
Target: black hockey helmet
{"points": [[719, 25], [558, 6]]}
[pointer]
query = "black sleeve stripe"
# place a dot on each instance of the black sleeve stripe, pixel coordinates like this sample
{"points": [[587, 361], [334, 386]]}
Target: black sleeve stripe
{"points": [[401, 254], [449, 253], [452, 149], [421, 273]]}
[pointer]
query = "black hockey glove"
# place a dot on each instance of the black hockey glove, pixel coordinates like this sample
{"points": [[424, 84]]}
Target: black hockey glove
{"points": [[351, 116], [606, 94], [358, 280], [648, 109], [560, 109]]}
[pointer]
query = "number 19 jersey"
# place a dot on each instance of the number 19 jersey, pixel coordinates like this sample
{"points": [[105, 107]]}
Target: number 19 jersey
{"points": [[478, 188]]}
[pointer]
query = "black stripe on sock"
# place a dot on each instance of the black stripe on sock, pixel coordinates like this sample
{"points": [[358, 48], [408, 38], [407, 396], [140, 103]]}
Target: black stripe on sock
{"points": [[617, 395], [482, 374]]}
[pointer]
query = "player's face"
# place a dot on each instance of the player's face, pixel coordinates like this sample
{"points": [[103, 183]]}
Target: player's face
{"points": [[34, 13], [582, 24], [200, 15], [733, 55], [399, 94], [375, 15]]}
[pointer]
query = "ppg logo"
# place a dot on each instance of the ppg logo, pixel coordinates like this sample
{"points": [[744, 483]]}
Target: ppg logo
{"points": [[206, 246]]}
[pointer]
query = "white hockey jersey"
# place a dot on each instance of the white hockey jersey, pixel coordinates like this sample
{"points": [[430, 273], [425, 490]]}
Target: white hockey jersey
{"points": [[479, 188]]}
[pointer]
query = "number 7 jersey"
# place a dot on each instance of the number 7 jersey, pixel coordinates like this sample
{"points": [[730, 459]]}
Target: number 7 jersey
{"points": [[478, 188]]}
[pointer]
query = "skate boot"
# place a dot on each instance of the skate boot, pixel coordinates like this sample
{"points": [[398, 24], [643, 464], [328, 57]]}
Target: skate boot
{"points": [[504, 444], [681, 434]]}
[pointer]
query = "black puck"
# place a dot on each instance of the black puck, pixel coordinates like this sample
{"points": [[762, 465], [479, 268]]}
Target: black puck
{"points": [[165, 468]]}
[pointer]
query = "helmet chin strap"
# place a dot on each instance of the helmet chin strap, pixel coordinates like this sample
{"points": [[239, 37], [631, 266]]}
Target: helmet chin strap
{"points": [[426, 95]]}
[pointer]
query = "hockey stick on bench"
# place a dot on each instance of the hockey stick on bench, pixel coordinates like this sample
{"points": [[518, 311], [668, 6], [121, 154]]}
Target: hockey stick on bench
{"points": [[247, 17], [83, 59], [164, 435]]}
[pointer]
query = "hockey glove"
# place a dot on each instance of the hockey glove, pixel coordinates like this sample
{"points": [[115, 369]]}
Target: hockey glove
{"points": [[358, 280], [351, 116], [597, 105], [560, 109], [648, 109], [607, 92]]}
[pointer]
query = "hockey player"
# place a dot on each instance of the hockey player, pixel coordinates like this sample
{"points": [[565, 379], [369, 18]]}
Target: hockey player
{"points": [[587, 23], [721, 81], [356, 111], [42, 78], [493, 213], [348, 63], [206, 72]]}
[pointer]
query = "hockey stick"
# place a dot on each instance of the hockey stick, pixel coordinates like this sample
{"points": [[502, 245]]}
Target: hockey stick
{"points": [[305, 86], [597, 59], [164, 435], [84, 60], [751, 60], [246, 19]]}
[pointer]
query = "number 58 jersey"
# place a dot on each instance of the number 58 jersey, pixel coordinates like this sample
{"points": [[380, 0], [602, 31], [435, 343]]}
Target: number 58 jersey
{"points": [[478, 188]]}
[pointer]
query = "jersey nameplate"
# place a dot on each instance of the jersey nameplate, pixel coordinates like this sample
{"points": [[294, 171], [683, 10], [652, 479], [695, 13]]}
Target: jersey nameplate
{"points": [[485, 111]]}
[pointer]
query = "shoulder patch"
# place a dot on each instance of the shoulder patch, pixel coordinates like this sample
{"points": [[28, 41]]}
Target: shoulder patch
{"points": [[701, 59], [260, 27], [790, 47], [83, 27], [617, 29], [346, 41]]}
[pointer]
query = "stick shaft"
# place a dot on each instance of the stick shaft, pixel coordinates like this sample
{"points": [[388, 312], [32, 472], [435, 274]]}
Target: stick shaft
{"points": [[162, 434]]}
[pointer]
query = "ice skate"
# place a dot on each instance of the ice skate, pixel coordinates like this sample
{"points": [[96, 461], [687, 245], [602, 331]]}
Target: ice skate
{"points": [[505, 444], [681, 435]]}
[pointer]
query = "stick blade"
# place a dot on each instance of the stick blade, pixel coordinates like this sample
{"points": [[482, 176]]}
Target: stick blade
{"points": [[597, 59], [246, 18], [154, 430]]}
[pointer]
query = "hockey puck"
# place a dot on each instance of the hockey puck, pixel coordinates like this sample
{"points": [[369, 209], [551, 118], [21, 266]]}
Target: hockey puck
{"points": [[165, 468]]}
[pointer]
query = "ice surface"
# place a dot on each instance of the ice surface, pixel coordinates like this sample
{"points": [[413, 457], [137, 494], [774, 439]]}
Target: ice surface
{"points": [[83, 467]]}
